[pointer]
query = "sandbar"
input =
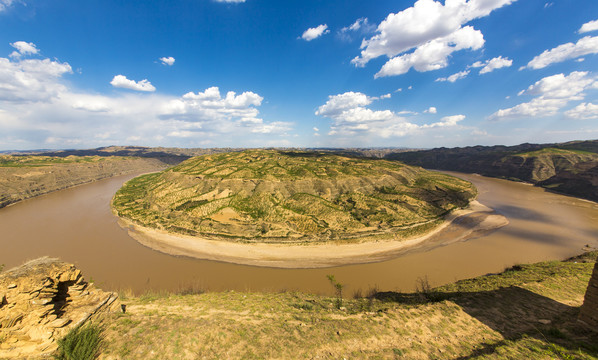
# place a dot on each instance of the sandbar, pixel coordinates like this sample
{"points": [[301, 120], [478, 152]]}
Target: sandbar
{"points": [[463, 224]]}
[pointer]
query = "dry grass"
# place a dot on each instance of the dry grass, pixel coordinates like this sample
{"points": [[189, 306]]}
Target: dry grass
{"points": [[529, 312]]}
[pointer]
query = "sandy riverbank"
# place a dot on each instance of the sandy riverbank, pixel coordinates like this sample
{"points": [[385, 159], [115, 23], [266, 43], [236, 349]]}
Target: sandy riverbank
{"points": [[460, 225]]}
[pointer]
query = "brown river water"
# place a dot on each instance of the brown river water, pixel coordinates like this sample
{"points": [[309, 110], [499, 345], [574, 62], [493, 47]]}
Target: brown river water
{"points": [[77, 226]]}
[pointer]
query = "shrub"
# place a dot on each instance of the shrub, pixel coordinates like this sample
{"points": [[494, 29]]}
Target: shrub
{"points": [[81, 343], [338, 289]]}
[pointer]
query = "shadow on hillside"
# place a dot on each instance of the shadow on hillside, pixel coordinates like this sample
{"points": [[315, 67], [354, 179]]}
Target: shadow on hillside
{"points": [[517, 212], [515, 313]]}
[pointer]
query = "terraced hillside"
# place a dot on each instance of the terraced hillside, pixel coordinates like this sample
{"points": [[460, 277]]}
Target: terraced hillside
{"points": [[26, 176], [301, 197]]}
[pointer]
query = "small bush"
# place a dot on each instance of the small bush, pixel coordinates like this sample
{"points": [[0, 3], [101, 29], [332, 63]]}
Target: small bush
{"points": [[81, 343], [338, 289]]}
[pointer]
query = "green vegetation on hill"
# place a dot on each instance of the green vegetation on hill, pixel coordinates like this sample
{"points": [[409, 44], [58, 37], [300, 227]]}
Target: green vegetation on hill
{"points": [[278, 196], [35, 160], [527, 312]]}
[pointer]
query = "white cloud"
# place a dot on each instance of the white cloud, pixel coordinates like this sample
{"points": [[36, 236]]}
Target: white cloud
{"points": [[553, 93], [167, 60], [313, 33], [446, 121], [589, 26], [431, 110], [434, 54], [23, 48], [31, 80], [584, 46], [38, 107], [4, 4], [493, 64], [350, 117], [336, 104], [381, 97], [316, 129], [360, 26], [583, 111], [121, 81], [454, 77], [434, 30], [275, 127]]}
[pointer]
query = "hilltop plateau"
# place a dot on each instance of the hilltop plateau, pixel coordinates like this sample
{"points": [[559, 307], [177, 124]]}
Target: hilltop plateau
{"points": [[269, 196]]}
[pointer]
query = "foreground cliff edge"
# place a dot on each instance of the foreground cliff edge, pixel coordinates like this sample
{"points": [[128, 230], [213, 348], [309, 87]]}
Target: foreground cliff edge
{"points": [[41, 301], [530, 311], [296, 209]]}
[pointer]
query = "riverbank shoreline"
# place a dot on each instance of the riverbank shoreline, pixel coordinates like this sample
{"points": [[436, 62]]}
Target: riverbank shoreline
{"points": [[462, 224]]}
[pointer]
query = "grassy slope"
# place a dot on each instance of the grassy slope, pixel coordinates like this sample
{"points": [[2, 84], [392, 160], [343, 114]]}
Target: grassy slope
{"points": [[26, 176], [490, 317], [274, 196]]}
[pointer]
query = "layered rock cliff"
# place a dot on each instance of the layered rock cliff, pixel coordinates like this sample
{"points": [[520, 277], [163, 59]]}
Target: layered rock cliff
{"points": [[569, 168], [41, 301]]}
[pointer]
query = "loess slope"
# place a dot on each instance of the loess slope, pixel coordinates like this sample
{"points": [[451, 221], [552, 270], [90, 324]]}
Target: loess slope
{"points": [[302, 197], [23, 177], [568, 168]]}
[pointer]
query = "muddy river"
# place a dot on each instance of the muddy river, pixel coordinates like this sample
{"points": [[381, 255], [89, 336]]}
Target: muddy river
{"points": [[77, 226]]}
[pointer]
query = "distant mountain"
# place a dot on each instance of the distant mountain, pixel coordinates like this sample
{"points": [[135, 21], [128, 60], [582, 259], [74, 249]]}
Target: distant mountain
{"points": [[570, 168]]}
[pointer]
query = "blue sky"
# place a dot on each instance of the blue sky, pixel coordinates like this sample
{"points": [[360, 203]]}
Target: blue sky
{"points": [[255, 73]]}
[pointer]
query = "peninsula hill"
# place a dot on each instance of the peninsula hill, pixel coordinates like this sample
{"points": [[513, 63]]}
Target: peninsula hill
{"points": [[285, 197]]}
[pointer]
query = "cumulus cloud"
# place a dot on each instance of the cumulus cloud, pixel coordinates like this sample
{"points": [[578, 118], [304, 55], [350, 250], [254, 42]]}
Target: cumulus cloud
{"points": [[493, 64], [23, 48], [167, 60], [31, 80], [552, 94], [350, 116], [434, 54], [583, 111], [454, 77], [584, 46], [313, 33], [38, 107], [434, 30], [431, 110], [589, 26], [336, 104], [121, 81]]}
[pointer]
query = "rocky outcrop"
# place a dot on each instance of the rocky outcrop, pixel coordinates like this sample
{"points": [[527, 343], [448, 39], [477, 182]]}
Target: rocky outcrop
{"points": [[41, 301], [589, 310]]}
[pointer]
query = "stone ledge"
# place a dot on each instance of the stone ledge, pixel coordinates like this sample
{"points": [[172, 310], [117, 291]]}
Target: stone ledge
{"points": [[41, 301]]}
